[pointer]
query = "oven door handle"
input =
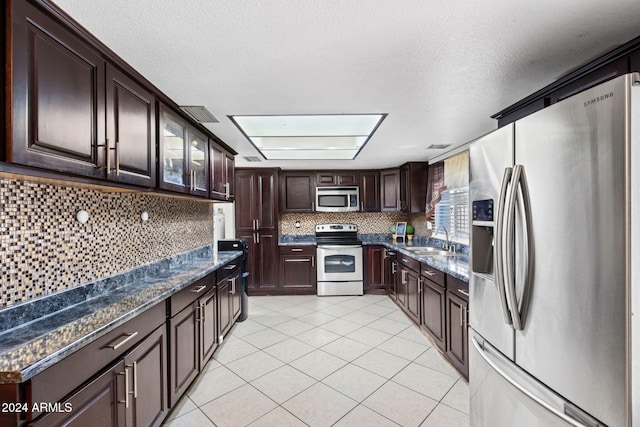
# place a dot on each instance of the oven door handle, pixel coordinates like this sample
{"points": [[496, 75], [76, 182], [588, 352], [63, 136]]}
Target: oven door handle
{"points": [[339, 246]]}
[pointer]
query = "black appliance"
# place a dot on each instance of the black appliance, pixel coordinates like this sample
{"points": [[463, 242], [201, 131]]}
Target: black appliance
{"points": [[243, 246]]}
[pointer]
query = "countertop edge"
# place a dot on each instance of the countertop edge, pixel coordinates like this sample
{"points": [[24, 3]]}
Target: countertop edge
{"points": [[187, 276]]}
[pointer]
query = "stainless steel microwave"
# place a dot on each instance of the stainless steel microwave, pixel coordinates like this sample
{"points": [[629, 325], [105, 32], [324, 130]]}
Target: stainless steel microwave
{"points": [[337, 199]]}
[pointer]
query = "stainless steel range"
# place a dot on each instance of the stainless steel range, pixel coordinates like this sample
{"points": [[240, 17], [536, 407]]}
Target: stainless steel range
{"points": [[339, 252]]}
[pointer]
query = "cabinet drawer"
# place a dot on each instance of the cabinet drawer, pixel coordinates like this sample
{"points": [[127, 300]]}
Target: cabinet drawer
{"points": [[62, 378], [409, 262], [189, 294], [297, 250], [432, 274], [228, 269], [459, 287]]}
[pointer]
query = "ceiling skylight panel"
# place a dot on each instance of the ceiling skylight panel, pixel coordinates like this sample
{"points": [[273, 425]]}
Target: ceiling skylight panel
{"points": [[328, 136]]}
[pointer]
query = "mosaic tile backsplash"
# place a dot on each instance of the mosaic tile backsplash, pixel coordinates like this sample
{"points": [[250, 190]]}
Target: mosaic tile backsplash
{"points": [[367, 222], [44, 249]]}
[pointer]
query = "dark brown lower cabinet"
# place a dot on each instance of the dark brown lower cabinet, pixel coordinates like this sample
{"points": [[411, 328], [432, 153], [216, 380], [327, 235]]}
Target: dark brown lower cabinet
{"points": [[407, 291], [208, 321], [96, 404], [262, 262], [147, 386], [433, 311], [390, 266], [183, 332], [457, 334], [298, 270], [192, 333], [132, 392], [374, 269], [229, 295], [413, 295]]}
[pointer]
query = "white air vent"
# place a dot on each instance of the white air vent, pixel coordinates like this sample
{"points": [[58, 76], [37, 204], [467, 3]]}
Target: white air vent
{"points": [[437, 146], [199, 113], [252, 158]]}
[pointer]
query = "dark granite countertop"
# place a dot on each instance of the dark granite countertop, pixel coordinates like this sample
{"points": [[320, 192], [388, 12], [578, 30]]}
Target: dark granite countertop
{"points": [[456, 266], [37, 334]]}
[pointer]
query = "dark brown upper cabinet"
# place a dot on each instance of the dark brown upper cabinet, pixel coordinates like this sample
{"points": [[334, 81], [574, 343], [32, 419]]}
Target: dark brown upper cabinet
{"points": [[413, 187], [58, 97], [330, 178], [297, 190], [64, 93], [390, 190], [222, 173], [184, 155], [131, 128], [370, 191]]}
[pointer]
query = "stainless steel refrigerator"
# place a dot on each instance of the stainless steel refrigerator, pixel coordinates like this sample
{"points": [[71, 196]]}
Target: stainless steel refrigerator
{"points": [[555, 262]]}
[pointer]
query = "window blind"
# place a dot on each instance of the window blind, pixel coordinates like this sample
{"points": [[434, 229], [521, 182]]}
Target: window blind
{"points": [[452, 212]]}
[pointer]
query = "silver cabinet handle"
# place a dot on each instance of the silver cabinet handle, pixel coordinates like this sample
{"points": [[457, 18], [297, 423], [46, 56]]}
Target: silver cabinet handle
{"points": [[419, 285], [126, 387], [117, 158], [463, 292], [296, 250], [230, 267], [406, 261], [232, 291], [429, 272], [135, 379], [199, 289], [461, 316], [404, 278], [393, 267], [313, 261], [128, 337], [108, 151], [204, 313], [257, 238], [227, 190]]}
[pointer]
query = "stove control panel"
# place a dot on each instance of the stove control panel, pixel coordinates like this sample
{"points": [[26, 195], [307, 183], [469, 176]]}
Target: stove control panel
{"points": [[336, 228]]}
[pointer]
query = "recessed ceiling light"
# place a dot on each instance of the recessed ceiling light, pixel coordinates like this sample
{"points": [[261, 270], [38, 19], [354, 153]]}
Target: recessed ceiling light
{"points": [[437, 146], [308, 136]]}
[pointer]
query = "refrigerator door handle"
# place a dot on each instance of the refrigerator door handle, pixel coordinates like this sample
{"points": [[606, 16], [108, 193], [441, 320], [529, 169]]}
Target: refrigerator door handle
{"points": [[526, 294], [510, 279], [519, 310], [499, 252], [536, 392]]}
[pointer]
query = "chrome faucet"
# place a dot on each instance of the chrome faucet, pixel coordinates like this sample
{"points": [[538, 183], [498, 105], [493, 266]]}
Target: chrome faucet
{"points": [[445, 245]]}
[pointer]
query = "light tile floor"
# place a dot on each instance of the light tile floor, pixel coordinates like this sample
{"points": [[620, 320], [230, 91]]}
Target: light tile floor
{"points": [[325, 361]]}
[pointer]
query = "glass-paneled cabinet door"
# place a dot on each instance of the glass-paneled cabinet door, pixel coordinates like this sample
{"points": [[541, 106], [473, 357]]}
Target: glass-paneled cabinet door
{"points": [[198, 161], [173, 134]]}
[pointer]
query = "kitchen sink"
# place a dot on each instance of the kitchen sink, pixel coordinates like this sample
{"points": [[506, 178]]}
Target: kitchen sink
{"points": [[428, 251]]}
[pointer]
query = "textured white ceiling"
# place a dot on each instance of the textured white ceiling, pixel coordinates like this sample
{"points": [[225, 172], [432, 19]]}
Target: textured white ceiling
{"points": [[438, 68]]}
